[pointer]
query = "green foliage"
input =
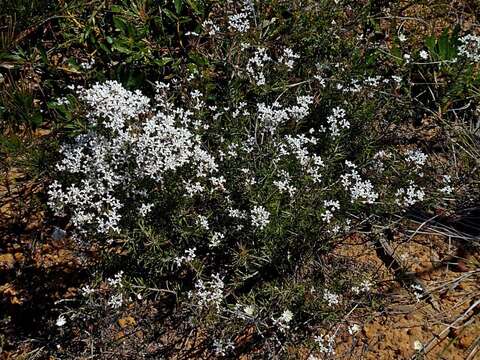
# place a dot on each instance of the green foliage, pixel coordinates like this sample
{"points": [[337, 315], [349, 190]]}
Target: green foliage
{"points": [[445, 47]]}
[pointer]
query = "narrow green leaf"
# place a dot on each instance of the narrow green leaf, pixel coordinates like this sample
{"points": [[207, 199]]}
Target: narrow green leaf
{"points": [[120, 24], [178, 6]]}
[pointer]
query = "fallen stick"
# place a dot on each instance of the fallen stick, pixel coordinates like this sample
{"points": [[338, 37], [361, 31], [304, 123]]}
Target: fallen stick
{"points": [[437, 339]]}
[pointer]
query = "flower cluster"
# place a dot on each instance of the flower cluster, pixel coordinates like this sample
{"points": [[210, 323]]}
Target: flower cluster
{"points": [[470, 47], [416, 157], [241, 21], [272, 116], [410, 195], [359, 189], [288, 58], [256, 64], [326, 344], [260, 217], [209, 293], [337, 121], [330, 207], [284, 320], [114, 161]]}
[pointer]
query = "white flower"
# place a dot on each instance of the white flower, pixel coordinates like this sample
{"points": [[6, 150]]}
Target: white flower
{"points": [[239, 22], [145, 209], [359, 189], [115, 301], [272, 116], [210, 292], [326, 344], [188, 257], [286, 317], [260, 217], [61, 321], [410, 195], [210, 27], [417, 345], [249, 310], [288, 57], [331, 298], [330, 207], [62, 101], [216, 239], [256, 64], [402, 37], [470, 47], [203, 222], [321, 80], [447, 188], [423, 54], [397, 79], [365, 286], [192, 189], [221, 347], [86, 290], [284, 183], [87, 65], [417, 157], [337, 121], [116, 280], [353, 329], [283, 321]]}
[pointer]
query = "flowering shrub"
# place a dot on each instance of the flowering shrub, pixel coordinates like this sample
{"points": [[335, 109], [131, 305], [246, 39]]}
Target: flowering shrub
{"points": [[227, 188]]}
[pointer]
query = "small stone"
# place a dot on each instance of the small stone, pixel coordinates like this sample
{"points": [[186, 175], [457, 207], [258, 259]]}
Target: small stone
{"points": [[126, 322], [461, 267], [58, 234], [417, 345], [19, 257], [7, 261], [466, 340]]}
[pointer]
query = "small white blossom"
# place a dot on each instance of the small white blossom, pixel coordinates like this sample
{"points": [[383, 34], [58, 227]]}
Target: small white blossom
{"points": [[216, 239], [417, 157], [470, 47], [337, 121], [187, 258], [239, 22], [447, 188], [353, 329], [221, 347], [209, 293], [145, 209], [326, 344], [86, 290], [284, 320], [331, 298], [203, 222], [423, 54], [210, 27], [409, 196], [116, 280], [260, 217], [61, 320], [365, 286], [330, 207], [288, 58], [359, 189], [115, 301]]}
